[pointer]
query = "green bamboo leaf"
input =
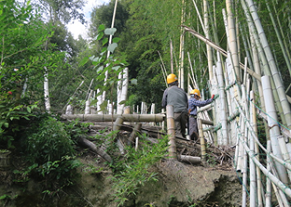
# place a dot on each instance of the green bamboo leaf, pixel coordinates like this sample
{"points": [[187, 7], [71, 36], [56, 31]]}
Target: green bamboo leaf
{"points": [[116, 39], [101, 27], [84, 61], [99, 36], [28, 109], [104, 41]]}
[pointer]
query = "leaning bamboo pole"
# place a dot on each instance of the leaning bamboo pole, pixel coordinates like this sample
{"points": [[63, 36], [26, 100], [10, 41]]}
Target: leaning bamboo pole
{"points": [[223, 109], [274, 129], [273, 67], [233, 42], [254, 193], [171, 132], [268, 181], [255, 148], [182, 49], [208, 48]]}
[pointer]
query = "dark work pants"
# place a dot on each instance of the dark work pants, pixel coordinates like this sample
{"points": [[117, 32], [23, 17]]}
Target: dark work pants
{"points": [[181, 120], [193, 128]]}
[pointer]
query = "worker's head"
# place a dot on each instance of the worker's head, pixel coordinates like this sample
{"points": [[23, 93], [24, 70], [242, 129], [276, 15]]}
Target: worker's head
{"points": [[195, 94], [172, 79]]}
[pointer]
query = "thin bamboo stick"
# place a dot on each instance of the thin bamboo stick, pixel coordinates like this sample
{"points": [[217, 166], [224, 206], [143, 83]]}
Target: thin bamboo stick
{"points": [[208, 48], [256, 149], [255, 195], [268, 181]]}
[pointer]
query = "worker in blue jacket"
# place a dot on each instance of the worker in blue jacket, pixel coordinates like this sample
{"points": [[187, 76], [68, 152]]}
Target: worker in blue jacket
{"points": [[193, 103]]}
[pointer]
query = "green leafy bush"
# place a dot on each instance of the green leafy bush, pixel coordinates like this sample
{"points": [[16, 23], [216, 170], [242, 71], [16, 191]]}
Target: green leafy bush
{"points": [[135, 169], [49, 142]]}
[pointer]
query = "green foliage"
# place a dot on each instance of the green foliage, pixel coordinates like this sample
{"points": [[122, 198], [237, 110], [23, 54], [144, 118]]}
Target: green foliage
{"points": [[135, 169], [48, 142]]}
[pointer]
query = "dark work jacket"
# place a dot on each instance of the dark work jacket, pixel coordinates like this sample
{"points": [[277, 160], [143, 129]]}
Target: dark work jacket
{"points": [[176, 97]]}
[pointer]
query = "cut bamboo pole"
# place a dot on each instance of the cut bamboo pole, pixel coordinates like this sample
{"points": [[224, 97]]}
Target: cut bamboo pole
{"points": [[171, 132], [233, 42], [108, 118], [268, 181], [223, 109], [117, 124], [134, 132], [207, 35], [255, 195], [172, 61], [181, 54], [190, 159], [256, 149], [274, 129], [202, 140]]}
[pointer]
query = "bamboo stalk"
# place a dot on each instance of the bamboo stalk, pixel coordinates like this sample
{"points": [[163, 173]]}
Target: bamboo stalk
{"points": [[268, 181], [202, 140], [181, 54], [171, 132], [256, 149], [171, 53], [278, 143], [255, 194], [233, 42], [190, 159], [223, 109], [208, 48], [108, 117]]}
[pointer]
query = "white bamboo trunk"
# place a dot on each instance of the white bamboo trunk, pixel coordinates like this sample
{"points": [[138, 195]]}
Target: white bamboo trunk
{"points": [[99, 102], [122, 87], [268, 181], [277, 141], [223, 110], [208, 48], [256, 149], [232, 39], [46, 91], [253, 177]]}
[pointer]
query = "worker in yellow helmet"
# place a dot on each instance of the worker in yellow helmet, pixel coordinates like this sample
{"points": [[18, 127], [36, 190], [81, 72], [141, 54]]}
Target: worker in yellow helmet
{"points": [[193, 103], [176, 97]]}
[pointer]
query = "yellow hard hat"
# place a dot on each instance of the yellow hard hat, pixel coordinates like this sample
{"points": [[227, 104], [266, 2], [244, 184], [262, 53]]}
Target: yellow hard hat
{"points": [[171, 78], [195, 92]]}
